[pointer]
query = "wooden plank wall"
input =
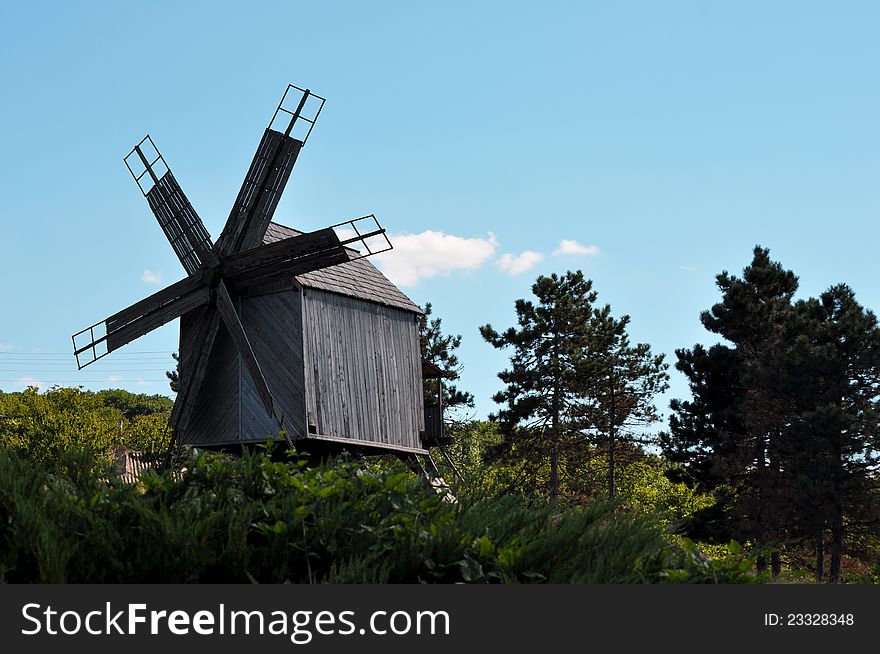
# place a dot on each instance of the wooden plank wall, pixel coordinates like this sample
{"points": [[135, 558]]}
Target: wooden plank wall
{"points": [[215, 417], [362, 370], [228, 408], [273, 323]]}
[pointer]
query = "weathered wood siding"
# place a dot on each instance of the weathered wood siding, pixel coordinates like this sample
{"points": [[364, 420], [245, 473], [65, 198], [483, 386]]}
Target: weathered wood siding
{"points": [[228, 408], [362, 370], [215, 417], [273, 323]]}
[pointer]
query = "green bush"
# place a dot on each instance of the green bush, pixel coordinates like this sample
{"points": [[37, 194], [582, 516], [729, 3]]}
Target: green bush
{"points": [[42, 427], [252, 519]]}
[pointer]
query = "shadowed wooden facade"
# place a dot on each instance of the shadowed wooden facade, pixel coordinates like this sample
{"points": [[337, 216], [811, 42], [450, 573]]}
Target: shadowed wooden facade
{"points": [[344, 343]]}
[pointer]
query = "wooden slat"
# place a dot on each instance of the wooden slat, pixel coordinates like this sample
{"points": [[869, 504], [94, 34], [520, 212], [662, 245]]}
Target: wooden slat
{"points": [[192, 331], [271, 191], [154, 301], [249, 187], [215, 416], [273, 253], [181, 224], [186, 396], [156, 318], [260, 192], [274, 327], [236, 331], [363, 370]]}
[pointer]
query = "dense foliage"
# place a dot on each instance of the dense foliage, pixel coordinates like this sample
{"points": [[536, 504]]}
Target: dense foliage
{"points": [[784, 423], [42, 426], [253, 519], [576, 385]]}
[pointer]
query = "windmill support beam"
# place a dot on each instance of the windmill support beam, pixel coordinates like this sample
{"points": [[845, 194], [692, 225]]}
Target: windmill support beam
{"points": [[192, 376], [226, 309]]}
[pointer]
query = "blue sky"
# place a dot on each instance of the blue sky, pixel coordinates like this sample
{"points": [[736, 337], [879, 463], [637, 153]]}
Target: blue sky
{"points": [[671, 136]]}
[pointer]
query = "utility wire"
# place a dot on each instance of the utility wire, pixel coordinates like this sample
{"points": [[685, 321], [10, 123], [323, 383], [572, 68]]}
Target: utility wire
{"points": [[83, 382], [103, 371], [6, 353]]}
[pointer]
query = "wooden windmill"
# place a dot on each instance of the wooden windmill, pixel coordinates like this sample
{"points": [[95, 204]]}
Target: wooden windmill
{"points": [[282, 332]]}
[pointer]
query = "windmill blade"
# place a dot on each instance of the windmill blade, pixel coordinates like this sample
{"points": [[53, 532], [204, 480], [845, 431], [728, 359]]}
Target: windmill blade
{"points": [[229, 315], [179, 221], [287, 270], [192, 376], [306, 252], [97, 341], [267, 176], [260, 192], [285, 258]]}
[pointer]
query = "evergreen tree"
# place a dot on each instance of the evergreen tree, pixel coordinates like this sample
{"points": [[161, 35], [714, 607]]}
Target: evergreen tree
{"points": [[576, 386], [752, 316], [174, 375], [832, 442], [783, 424], [618, 384], [439, 349]]}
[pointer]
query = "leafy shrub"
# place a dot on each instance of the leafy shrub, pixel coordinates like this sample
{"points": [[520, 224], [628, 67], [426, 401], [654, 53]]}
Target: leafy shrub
{"points": [[42, 427], [252, 519], [691, 565]]}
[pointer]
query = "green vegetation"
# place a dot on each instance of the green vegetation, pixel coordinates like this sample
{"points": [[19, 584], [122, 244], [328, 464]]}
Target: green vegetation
{"points": [[43, 426], [252, 519], [575, 384], [769, 471], [784, 425], [66, 515]]}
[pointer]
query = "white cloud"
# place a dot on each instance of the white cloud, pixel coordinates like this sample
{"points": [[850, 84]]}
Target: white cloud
{"points": [[429, 253], [24, 382], [567, 248], [115, 378], [514, 264], [6, 347], [151, 277], [688, 268], [144, 382]]}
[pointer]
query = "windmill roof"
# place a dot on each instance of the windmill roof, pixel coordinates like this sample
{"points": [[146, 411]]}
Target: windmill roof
{"points": [[357, 278]]}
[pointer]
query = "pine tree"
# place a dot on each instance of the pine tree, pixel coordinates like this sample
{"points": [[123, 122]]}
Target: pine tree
{"points": [[543, 382], [784, 421], [439, 349], [576, 384], [618, 384], [745, 444], [833, 435], [174, 375]]}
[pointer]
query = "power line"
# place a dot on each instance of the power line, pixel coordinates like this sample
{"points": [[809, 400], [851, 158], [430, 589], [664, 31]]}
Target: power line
{"points": [[108, 364], [106, 371], [10, 352], [81, 381], [58, 357]]}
